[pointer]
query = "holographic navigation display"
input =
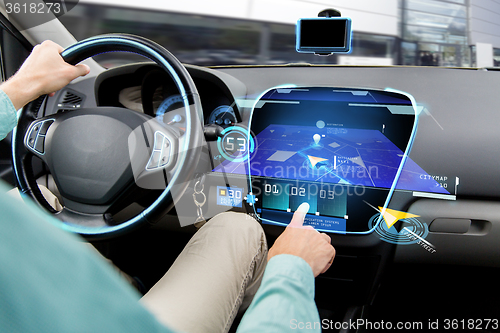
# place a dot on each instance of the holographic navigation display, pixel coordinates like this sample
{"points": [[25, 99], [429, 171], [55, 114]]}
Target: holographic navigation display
{"points": [[341, 150]]}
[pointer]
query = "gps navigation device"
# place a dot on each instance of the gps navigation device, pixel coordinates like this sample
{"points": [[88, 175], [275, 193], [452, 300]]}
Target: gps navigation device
{"points": [[324, 35]]}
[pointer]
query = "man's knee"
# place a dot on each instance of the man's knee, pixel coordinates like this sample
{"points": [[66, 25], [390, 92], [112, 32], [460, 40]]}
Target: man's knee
{"points": [[238, 223], [239, 229]]}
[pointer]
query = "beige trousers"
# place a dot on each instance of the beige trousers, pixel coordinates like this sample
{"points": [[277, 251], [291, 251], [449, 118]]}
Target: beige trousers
{"points": [[217, 273]]}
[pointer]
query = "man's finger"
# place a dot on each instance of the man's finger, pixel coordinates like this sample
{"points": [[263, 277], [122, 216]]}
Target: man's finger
{"points": [[326, 237], [59, 48], [82, 69], [327, 267], [299, 215]]}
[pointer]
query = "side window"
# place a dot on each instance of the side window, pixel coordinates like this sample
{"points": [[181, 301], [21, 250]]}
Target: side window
{"points": [[13, 53], [14, 49]]}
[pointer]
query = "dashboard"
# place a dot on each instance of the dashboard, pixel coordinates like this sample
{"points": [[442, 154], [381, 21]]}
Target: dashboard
{"points": [[453, 162], [448, 191]]}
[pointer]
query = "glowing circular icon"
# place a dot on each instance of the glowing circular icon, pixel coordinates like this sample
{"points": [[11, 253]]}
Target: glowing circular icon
{"points": [[235, 144], [320, 124], [412, 230]]}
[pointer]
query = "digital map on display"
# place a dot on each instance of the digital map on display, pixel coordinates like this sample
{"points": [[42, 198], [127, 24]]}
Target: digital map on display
{"points": [[331, 155]]}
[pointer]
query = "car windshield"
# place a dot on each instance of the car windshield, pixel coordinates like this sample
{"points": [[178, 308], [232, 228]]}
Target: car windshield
{"points": [[385, 33]]}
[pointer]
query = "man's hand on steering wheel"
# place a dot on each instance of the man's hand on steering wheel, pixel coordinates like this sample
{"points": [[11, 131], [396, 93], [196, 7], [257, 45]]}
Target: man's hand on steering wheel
{"points": [[43, 72]]}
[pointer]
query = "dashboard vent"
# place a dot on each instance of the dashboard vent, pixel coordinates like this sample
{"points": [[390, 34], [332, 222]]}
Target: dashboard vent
{"points": [[70, 100]]}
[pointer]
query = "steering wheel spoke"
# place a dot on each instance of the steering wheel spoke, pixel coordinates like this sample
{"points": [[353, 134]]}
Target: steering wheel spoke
{"points": [[36, 135]]}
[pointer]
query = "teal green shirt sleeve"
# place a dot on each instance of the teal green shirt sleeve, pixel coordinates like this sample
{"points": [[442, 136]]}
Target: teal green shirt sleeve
{"points": [[285, 299], [50, 282], [8, 115]]}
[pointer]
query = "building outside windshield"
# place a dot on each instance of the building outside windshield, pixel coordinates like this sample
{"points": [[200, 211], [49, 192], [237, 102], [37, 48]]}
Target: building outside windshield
{"points": [[452, 33]]}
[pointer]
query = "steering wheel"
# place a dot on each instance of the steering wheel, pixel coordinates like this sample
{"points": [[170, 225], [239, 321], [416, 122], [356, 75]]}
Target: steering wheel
{"points": [[99, 155]]}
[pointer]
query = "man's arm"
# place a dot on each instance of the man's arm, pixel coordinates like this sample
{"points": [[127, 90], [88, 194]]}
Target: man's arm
{"points": [[285, 299]]}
